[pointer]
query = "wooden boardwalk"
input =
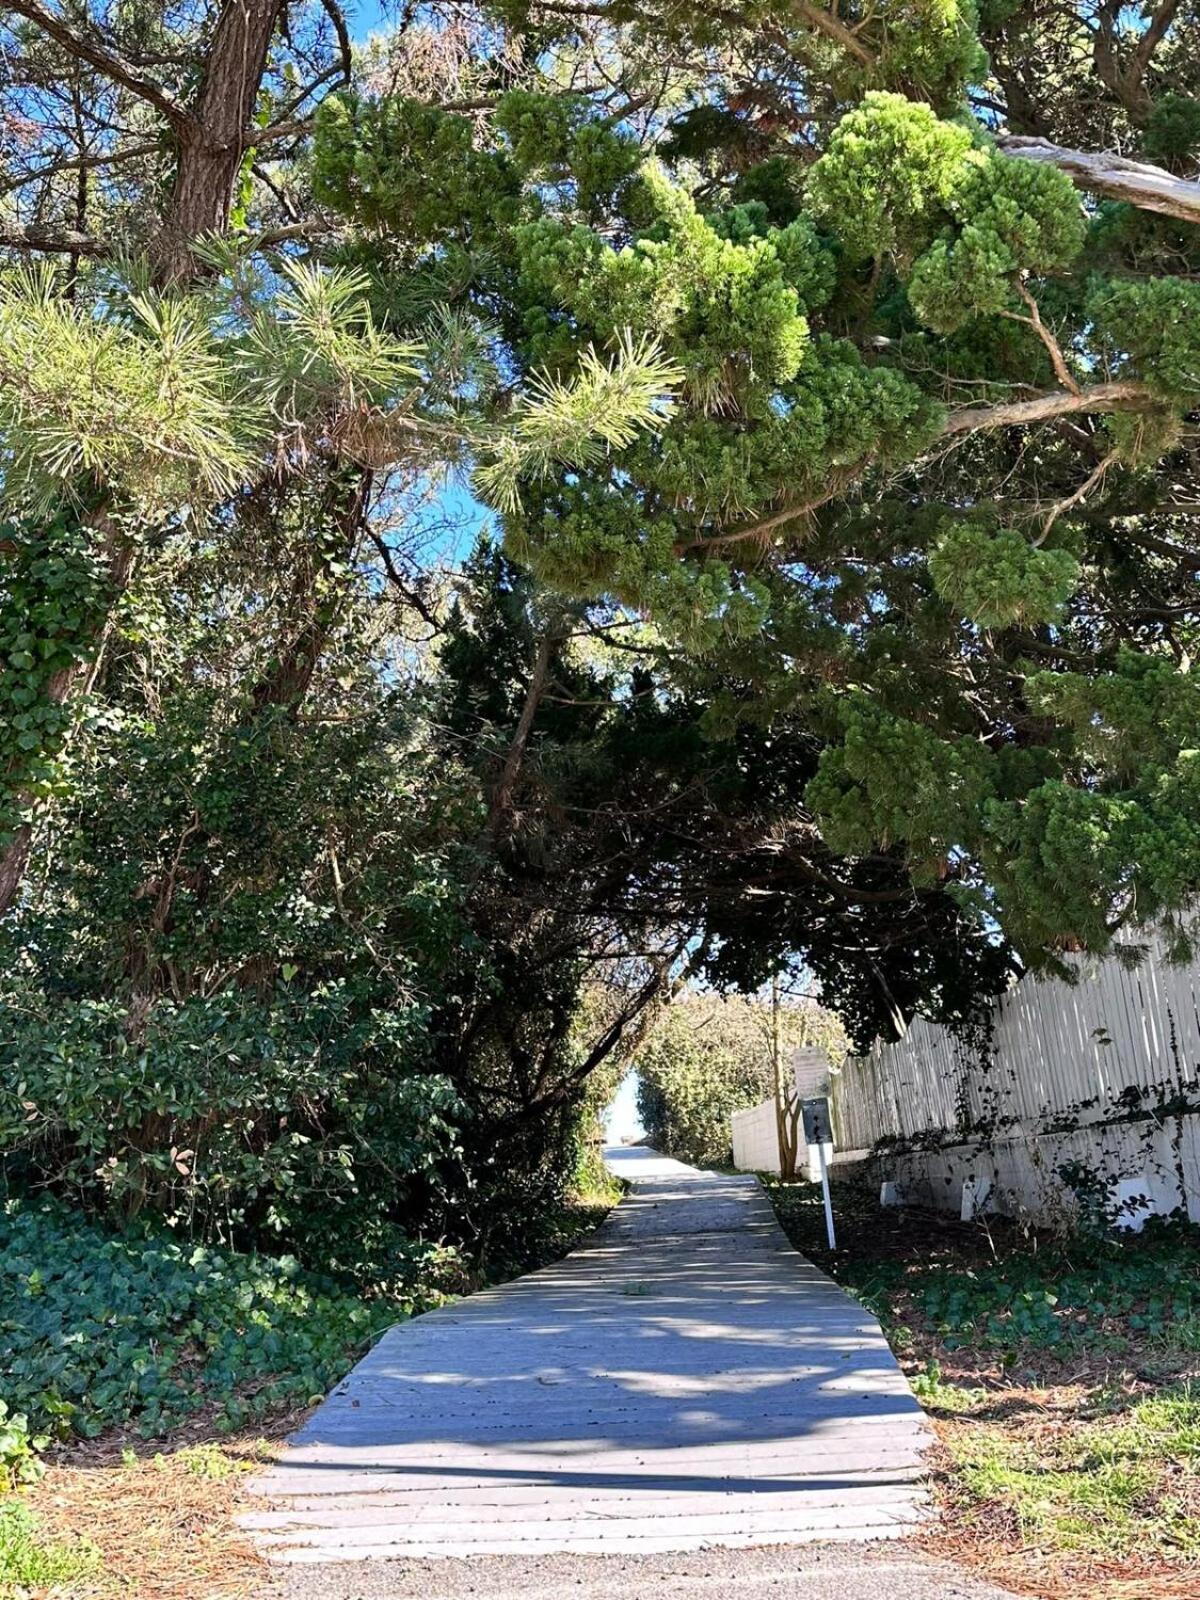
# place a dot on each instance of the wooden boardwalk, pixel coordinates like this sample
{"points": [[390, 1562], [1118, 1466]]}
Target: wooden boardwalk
{"points": [[685, 1379]]}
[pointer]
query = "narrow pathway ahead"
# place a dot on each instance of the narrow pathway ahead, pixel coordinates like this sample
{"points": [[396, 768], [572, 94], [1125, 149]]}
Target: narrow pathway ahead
{"points": [[684, 1379]]}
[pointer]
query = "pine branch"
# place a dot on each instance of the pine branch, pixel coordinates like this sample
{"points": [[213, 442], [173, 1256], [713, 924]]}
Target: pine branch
{"points": [[84, 45], [80, 163], [52, 240], [571, 424]]}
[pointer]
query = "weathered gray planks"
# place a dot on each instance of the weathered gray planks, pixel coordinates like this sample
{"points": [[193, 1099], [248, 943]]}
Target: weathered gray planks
{"points": [[683, 1380]]}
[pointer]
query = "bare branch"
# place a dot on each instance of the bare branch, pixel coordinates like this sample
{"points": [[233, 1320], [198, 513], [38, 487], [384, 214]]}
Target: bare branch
{"points": [[830, 25], [761, 527], [1153, 36], [54, 240], [1135, 182], [335, 14], [1084, 489], [103, 158], [293, 128], [1034, 320], [1100, 398], [84, 45]]}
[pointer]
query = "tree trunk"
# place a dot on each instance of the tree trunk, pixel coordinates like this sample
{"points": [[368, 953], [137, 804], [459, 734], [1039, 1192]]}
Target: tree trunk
{"points": [[212, 142], [787, 1110]]}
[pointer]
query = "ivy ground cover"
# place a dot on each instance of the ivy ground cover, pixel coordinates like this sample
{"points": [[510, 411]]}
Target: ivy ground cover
{"points": [[1062, 1375]]}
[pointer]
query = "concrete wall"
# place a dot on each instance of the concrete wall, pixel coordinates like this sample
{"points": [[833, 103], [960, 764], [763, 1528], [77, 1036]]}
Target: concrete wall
{"points": [[755, 1139]]}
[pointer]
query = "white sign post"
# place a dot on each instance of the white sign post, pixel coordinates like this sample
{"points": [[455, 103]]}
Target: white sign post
{"points": [[818, 1132]]}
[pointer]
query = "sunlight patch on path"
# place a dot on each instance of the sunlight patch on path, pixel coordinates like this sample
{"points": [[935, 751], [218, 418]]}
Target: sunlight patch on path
{"points": [[683, 1380]]}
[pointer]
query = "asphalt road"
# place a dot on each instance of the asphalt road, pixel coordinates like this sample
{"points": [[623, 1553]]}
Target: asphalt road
{"points": [[888, 1571]]}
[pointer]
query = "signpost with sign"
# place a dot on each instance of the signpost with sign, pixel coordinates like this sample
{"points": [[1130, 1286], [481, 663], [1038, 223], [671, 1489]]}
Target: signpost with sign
{"points": [[818, 1135]]}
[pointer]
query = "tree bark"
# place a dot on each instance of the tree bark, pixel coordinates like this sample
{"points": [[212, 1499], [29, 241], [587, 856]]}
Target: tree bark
{"points": [[1098, 400], [212, 141], [1135, 182], [502, 795]]}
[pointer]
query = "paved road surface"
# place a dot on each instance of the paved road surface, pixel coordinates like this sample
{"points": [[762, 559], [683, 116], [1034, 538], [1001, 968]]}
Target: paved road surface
{"points": [[683, 1381], [846, 1571]]}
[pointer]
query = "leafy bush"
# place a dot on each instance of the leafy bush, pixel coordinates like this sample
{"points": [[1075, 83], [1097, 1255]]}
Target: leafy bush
{"points": [[227, 1112], [139, 1329], [708, 1057]]}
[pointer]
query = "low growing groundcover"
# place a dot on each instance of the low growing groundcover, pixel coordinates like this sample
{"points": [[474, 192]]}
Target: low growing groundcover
{"points": [[142, 1330], [1062, 1375]]}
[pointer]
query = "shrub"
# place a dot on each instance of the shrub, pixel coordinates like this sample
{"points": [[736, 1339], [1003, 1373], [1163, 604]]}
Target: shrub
{"points": [[708, 1057], [233, 1117]]}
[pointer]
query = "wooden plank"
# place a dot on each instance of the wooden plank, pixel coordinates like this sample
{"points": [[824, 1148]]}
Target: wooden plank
{"points": [[685, 1379]]}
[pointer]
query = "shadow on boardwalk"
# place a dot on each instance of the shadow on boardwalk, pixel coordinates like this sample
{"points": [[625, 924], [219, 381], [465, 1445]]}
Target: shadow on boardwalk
{"points": [[683, 1380]]}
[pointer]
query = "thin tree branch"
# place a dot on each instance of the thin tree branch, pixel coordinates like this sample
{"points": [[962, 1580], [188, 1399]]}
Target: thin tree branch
{"points": [[54, 240], [827, 23], [1102, 397], [335, 14], [503, 792], [1084, 489], [107, 158], [292, 128], [85, 46], [1034, 320], [1164, 547], [762, 526], [1153, 36], [396, 578]]}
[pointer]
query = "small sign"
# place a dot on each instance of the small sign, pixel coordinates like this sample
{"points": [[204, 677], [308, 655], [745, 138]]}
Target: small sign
{"points": [[818, 1134], [818, 1125]]}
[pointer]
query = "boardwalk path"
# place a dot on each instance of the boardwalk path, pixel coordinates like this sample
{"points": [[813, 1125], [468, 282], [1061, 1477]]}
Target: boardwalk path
{"points": [[683, 1380]]}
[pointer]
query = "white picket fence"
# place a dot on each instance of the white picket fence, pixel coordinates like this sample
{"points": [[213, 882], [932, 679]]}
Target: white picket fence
{"points": [[1098, 1074]]}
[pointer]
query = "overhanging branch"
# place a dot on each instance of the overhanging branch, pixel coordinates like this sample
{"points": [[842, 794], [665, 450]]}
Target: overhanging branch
{"points": [[1100, 398], [85, 45], [1135, 182]]}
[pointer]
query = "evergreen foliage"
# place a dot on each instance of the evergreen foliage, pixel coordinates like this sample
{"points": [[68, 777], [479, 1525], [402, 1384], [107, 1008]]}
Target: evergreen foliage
{"points": [[838, 603]]}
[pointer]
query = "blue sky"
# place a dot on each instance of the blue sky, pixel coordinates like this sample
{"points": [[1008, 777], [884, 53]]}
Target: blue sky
{"points": [[621, 1121], [364, 17]]}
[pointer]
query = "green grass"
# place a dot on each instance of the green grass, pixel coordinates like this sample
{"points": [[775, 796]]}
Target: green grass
{"points": [[1110, 1487], [31, 1562], [1059, 1375]]}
